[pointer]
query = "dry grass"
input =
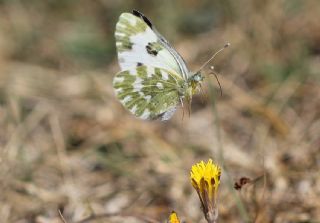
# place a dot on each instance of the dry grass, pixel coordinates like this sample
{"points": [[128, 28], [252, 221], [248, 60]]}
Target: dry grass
{"points": [[66, 142]]}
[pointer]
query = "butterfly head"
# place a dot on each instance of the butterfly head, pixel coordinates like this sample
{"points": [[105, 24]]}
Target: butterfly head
{"points": [[195, 81]]}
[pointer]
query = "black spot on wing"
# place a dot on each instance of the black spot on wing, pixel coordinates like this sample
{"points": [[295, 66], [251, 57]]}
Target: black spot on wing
{"points": [[151, 50], [136, 13], [139, 64], [143, 17]]}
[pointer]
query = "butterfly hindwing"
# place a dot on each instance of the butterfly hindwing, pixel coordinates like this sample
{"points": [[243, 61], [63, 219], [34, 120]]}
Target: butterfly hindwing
{"points": [[149, 92], [138, 44]]}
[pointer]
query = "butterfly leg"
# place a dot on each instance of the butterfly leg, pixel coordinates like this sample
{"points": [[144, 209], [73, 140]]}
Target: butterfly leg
{"points": [[181, 101], [182, 114], [189, 105], [203, 95]]}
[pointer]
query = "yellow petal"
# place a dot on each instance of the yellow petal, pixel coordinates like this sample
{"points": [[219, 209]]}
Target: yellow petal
{"points": [[173, 218]]}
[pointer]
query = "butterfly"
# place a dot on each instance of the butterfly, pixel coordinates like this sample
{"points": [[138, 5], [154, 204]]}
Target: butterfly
{"points": [[154, 79]]}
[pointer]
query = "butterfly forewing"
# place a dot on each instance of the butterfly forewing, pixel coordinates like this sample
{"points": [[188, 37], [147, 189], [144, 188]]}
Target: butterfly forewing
{"points": [[149, 92], [137, 44]]}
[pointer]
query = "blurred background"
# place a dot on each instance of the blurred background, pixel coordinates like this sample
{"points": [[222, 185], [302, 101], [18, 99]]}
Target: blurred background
{"points": [[67, 143]]}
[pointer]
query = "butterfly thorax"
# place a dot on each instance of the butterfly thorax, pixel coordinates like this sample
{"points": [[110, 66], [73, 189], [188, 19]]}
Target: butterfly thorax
{"points": [[194, 82]]}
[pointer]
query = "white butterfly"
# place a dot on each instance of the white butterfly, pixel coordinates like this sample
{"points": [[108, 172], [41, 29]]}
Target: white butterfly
{"points": [[154, 79]]}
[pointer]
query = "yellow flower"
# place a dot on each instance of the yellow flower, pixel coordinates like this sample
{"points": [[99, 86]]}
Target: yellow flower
{"points": [[173, 218], [208, 172], [205, 178]]}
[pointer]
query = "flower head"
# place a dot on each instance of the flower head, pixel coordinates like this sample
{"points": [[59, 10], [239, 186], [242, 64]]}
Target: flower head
{"points": [[205, 178], [173, 218]]}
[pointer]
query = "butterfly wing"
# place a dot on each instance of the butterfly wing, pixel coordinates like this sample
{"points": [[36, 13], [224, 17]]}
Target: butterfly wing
{"points": [[149, 92], [138, 43]]}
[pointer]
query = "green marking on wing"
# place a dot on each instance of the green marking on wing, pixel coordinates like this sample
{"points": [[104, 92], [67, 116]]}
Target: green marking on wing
{"points": [[128, 25], [147, 91], [138, 44]]}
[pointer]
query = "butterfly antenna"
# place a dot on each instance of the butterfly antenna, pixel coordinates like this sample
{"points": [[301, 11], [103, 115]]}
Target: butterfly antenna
{"points": [[213, 56], [216, 76]]}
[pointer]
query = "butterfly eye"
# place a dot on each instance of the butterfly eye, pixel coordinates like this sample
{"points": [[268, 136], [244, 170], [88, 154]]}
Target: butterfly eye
{"points": [[197, 78]]}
